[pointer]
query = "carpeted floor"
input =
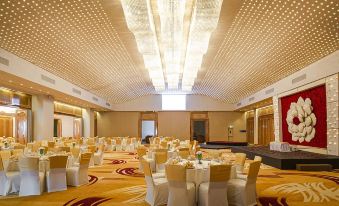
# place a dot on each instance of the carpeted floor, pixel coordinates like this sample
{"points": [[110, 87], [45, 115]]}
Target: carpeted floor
{"points": [[118, 182]]}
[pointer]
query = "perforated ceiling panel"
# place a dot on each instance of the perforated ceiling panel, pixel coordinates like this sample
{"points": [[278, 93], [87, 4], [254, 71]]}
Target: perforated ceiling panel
{"points": [[87, 42]]}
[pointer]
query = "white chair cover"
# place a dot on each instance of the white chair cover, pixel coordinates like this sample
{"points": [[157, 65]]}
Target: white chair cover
{"points": [[78, 175], [180, 192], [157, 189], [214, 192], [56, 176], [243, 192], [32, 181], [99, 155]]}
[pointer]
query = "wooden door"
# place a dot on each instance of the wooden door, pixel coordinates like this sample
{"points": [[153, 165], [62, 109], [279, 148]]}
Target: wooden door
{"points": [[6, 126], [250, 130], [202, 118], [266, 129]]}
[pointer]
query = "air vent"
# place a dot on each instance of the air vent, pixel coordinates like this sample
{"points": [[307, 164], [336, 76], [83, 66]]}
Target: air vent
{"points": [[77, 91], [298, 79], [269, 91], [95, 99], [4, 61], [251, 99], [239, 104], [108, 104], [47, 79]]}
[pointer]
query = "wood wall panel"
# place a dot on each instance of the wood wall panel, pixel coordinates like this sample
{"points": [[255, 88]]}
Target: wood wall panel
{"points": [[266, 129]]}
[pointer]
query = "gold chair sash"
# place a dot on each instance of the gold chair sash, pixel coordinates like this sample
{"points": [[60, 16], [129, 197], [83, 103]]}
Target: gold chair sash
{"points": [[57, 162], [91, 148], [220, 173], [163, 144], [160, 150], [141, 151], [75, 152], [146, 168], [17, 152], [51, 144], [5, 155], [19, 146], [85, 158], [28, 163], [1, 166], [175, 173], [160, 157], [64, 148], [184, 154], [240, 158], [253, 170]]}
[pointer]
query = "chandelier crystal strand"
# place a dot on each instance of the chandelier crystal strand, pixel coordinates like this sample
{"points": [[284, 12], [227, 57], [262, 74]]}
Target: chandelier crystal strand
{"points": [[204, 21], [139, 18], [171, 14]]}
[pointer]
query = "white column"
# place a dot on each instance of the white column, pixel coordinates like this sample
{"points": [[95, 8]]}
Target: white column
{"points": [[88, 126], [277, 117], [332, 88], [256, 126], [43, 117]]}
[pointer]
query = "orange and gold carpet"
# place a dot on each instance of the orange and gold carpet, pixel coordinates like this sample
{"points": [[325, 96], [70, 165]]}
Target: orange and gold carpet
{"points": [[118, 182]]}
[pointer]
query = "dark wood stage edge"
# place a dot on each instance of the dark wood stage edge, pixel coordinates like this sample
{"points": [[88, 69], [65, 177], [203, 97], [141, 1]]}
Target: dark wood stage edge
{"points": [[222, 145], [287, 160]]}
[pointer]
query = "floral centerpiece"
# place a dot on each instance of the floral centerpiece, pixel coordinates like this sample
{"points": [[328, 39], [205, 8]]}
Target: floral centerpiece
{"points": [[5, 144], [73, 144], [41, 151], [199, 156]]}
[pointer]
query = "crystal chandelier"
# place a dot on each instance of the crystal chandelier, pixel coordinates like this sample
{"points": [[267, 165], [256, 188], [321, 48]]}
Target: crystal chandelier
{"points": [[171, 55]]}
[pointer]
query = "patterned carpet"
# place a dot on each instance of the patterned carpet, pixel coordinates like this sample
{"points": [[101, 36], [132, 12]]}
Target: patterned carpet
{"points": [[118, 182]]}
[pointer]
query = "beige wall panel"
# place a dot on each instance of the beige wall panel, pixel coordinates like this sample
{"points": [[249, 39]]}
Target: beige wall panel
{"points": [[118, 124], [220, 121], [175, 124]]}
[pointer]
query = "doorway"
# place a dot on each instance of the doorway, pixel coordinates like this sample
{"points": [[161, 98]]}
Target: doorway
{"points": [[199, 127], [148, 126], [266, 129], [250, 130]]}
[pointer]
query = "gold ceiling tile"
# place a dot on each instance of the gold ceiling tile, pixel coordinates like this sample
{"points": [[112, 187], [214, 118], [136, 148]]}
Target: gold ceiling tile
{"points": [[87, 42]]}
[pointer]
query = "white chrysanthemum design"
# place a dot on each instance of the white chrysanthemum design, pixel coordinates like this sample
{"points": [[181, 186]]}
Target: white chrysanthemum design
{"points": [[301, 120]]}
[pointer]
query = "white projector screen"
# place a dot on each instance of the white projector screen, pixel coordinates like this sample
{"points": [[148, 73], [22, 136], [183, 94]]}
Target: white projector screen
{"points": [[173, 102]]}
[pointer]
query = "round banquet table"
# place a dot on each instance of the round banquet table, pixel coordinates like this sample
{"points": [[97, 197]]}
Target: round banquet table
{"points": [[200, 172]]}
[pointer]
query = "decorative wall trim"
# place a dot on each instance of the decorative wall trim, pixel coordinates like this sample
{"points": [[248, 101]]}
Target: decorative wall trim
{"points": [[332, 88]]}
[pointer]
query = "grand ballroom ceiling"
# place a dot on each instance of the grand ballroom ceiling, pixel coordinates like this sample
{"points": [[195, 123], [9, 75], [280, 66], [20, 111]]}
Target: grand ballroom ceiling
{"points": [[88, 42]]}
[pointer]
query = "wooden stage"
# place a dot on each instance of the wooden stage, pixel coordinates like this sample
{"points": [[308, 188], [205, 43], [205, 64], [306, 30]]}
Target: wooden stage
{"points": [[287, 160]]}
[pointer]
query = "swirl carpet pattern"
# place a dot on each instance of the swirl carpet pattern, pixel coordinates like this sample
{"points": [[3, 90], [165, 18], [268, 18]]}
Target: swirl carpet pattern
{"points": [[119, 182]]}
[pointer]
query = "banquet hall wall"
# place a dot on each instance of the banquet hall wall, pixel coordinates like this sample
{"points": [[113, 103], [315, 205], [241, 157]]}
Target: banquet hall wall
{"points": [[172, 123]]}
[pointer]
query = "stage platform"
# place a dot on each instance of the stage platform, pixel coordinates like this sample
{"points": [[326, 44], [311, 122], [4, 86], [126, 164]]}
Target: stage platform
{"points": [[222, 145], [287, 160]]}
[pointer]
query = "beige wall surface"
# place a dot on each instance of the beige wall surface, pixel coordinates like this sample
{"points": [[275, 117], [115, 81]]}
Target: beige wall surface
{"points": [[172, 123], [113, 124], [219, 123]]}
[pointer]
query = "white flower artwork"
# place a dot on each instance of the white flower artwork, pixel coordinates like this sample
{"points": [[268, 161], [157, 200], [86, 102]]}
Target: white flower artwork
{"points": [[301, 110]]}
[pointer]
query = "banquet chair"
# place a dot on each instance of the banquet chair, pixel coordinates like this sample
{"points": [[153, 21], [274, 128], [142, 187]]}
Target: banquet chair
{"points": [[75, 151], [78, 175], [5, 156], [160, 150], [184, 153], [157, 189], [160, 160], [181, 192], [65, 149], [243, 192], [214, 192], [19, 146], [92, 149], [141, 151], [257, 158], [163, 144], [17, 152], [31, 180], [239, 163], [56, 176], [90, 141], [9, 181], [118, 146], [51, 144], [109, 146], [36, 146], [99, 155]]}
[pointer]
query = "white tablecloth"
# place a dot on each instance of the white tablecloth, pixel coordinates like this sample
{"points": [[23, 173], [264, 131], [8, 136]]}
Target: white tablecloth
{"points": [[280, 146]]}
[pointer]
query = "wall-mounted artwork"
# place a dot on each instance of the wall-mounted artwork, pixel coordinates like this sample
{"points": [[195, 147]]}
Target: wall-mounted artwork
{"points": [[304, 117]]}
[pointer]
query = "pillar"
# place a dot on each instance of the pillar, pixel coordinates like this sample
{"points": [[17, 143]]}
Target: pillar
{"points": [[277, 118], [88, 122], [256, 126], [43, 117], [332, 88]]}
